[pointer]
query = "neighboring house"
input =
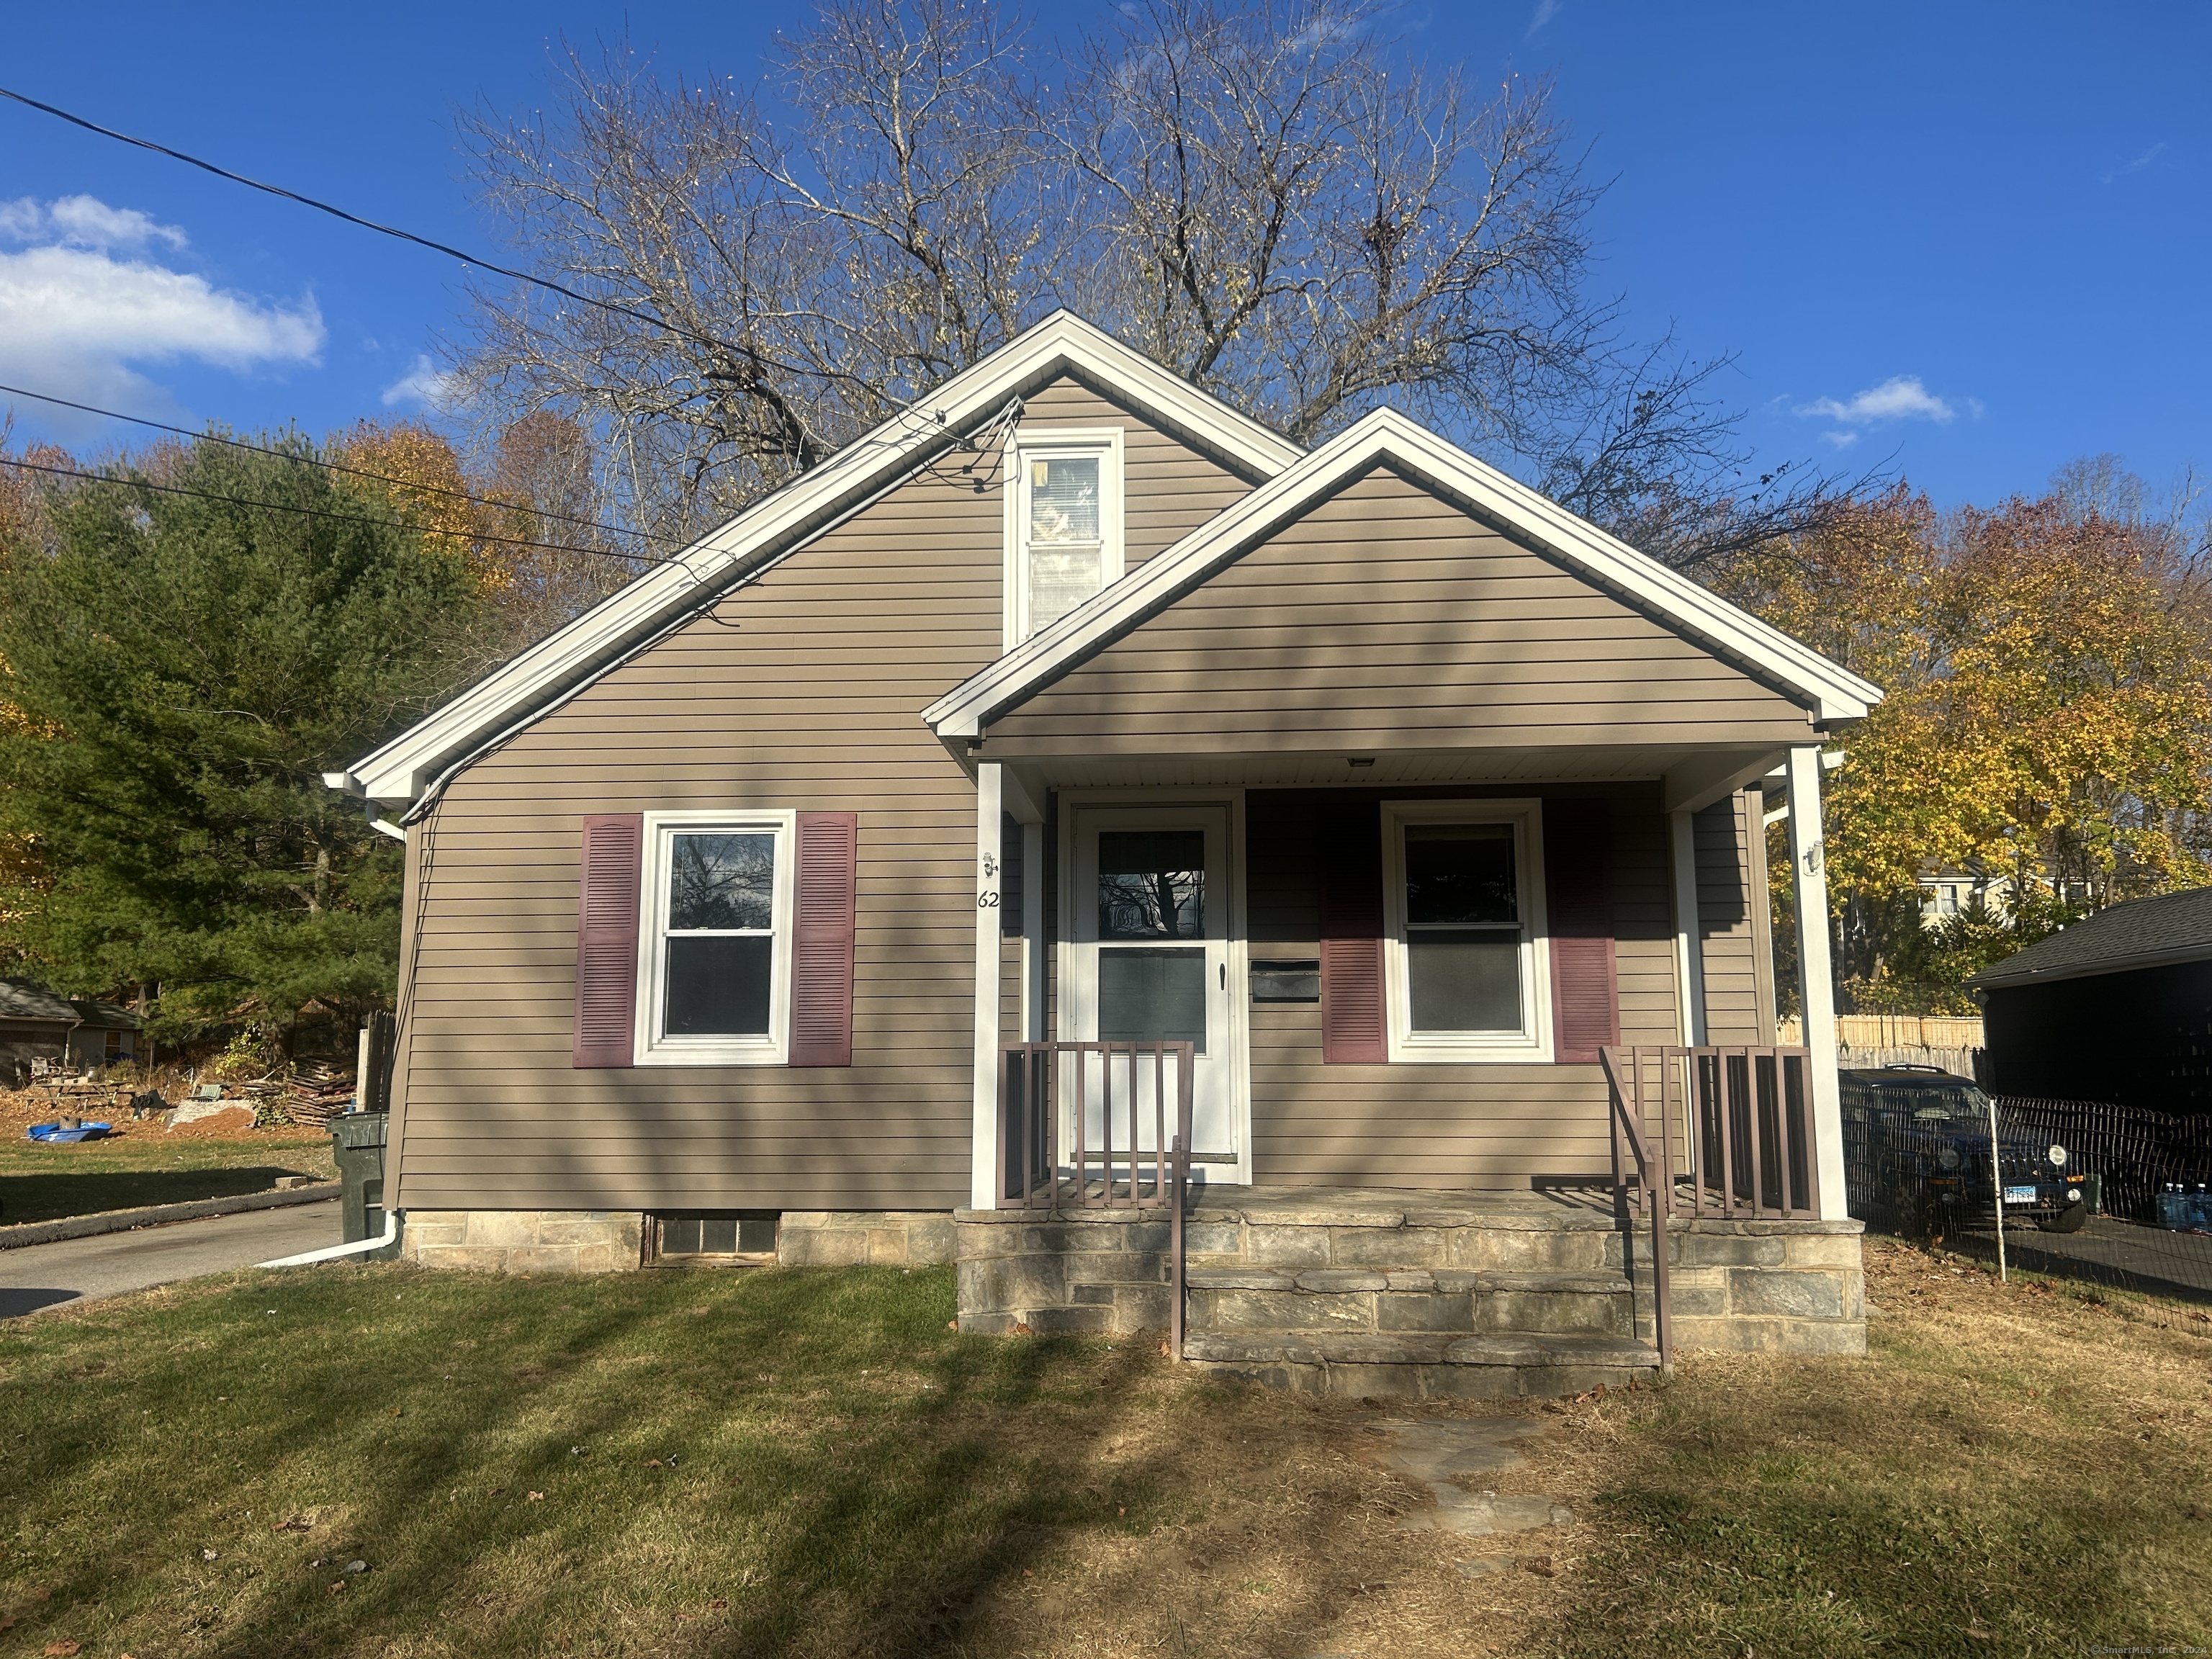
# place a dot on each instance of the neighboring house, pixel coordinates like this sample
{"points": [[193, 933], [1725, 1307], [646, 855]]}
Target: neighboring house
{"points": [[1393, 788], [1945, 892], [2115, 1007], [36, 1025]]}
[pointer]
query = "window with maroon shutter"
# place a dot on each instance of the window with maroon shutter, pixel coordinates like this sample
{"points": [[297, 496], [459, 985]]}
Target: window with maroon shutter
{"points": [[1348, 845], [1585, 974], [607, 939], [822, 940]]}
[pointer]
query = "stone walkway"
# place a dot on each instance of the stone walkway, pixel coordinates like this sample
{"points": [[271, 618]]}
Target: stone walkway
{"points": [[1450, 1455]]}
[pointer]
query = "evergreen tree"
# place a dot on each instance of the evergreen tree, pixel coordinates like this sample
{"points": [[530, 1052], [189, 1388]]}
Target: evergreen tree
{"points": [[186, 667]]}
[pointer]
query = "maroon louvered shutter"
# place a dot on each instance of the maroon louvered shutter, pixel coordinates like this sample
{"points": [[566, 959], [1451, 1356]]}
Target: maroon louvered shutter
{"points": [[822, 940], [1578, 906], [1348, 845], [607, 939]]}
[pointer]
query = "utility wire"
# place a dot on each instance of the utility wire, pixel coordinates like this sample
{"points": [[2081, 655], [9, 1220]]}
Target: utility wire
{"points": [[323, 512], [330, 467], [508, 272]]}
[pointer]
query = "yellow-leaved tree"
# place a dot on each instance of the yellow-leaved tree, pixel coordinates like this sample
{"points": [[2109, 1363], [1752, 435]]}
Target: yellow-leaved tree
{"points": [[2048, 721]]}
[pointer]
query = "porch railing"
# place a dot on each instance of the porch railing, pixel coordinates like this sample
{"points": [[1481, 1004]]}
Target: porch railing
{"points": [[1046, 1162], [1710, 1132]]}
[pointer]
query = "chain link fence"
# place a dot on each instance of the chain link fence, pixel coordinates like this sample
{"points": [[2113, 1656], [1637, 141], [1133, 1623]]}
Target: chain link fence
{"points": [[2108, 1195]]}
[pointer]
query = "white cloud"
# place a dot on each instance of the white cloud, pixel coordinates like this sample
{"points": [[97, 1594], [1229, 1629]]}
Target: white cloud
{"points": [[83, 221], [1840, 440], [423, 383], [75, 317], [1546, 11], [1900, 398], [2136, 166]]}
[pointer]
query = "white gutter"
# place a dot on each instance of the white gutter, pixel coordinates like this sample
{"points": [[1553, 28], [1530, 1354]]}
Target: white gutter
{"points": [[335, 1251]]}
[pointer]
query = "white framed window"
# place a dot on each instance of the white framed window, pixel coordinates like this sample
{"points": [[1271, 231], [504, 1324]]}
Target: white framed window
{"points": [[714, 933], [1063, 524], [1467, 966]]}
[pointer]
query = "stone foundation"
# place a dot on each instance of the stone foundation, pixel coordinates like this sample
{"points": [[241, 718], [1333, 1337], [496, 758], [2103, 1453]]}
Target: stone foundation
{"points": [[524, 1241], [852, 1239], [612, 1241], [1097, 1272], [1763, 1286]]}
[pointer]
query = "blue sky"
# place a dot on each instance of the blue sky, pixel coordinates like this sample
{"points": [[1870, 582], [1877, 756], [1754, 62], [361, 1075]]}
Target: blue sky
{"points": [[1973, 236]]}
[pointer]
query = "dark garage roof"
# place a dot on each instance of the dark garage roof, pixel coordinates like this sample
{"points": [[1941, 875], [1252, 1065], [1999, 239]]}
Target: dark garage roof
{"points": [[20, 999], [2140, 933]]}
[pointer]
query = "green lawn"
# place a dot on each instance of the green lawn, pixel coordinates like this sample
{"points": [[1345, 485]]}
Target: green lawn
{"points": [[810, 1463], [41, 1183]]}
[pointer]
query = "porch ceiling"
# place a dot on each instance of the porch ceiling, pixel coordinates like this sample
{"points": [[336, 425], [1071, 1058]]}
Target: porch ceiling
{"points": [[1706, 772]]}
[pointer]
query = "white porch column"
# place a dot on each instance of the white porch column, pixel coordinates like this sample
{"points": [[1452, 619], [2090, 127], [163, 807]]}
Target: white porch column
{"points": [[982, 1176], [1809, 861], [1689, 949]]}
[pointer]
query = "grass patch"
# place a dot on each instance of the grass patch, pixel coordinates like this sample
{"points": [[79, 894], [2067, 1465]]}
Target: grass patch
{"points": [[761, 1463], [2009, 1471], [43, 1182]]}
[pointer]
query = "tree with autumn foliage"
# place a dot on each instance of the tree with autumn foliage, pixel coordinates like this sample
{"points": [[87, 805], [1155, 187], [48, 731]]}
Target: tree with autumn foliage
{"points": [[2048, 722]]}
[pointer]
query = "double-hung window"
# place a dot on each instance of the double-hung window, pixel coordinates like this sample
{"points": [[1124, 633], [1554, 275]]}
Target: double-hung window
{"points": [[1063, 525], [714, 948], [1465, 956]]}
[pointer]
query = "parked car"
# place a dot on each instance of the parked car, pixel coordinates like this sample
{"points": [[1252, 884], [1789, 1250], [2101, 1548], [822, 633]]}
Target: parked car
{"points": [[1919, 1137]]}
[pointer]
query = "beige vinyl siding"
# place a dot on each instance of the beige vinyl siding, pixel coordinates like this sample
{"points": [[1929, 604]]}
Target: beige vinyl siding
{"points": [[1427, 1125], [1732, 934], [803, 692], [1387, 619]]}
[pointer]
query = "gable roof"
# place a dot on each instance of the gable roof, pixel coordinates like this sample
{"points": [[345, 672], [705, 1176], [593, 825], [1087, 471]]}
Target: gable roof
{"points": [[2146, 932], [539, 679], [20, 999], [1388, 438]]}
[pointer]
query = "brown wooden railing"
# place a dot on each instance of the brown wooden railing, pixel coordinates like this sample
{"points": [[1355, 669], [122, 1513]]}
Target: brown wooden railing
{"points": [[1712, 1132], [1037, 1171]]}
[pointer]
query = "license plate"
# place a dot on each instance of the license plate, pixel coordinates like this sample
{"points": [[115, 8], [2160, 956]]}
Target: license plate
{"points": [[2020, 1194]]}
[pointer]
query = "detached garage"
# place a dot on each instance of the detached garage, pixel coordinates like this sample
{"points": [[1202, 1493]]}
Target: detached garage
{"points": [[2116, 1007]]}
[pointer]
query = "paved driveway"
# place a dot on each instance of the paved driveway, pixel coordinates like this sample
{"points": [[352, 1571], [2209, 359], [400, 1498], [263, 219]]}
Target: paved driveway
{"points": [[36, 1276]]}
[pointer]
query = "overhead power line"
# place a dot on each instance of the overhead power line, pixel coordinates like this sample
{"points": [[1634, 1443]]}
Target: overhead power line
{"points": [[466, 258], [329, 467], [322, 512]]}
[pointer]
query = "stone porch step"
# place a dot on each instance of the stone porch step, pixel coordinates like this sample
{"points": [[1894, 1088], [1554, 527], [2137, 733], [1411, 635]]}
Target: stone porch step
{"points": [[1232, 1300], [1426, 1365]]}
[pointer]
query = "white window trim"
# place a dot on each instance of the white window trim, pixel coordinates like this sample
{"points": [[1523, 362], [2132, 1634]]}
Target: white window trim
{"points": [[650, 1048], [1047, 443], [1531, 1044]]}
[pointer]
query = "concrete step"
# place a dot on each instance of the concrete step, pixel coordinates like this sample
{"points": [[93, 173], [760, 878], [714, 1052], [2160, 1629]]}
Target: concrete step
{"points": [[1426, 1365], [1232, 1300]]}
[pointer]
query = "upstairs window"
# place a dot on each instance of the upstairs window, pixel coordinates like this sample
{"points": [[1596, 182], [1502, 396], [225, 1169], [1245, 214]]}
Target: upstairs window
{"points": [[1063, 525]]}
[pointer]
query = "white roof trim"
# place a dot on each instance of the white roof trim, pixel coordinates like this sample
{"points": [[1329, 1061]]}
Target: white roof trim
{"points": [[403, 768], [1833, 691]]}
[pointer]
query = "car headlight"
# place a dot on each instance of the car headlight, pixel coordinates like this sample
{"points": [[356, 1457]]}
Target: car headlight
{"points": [[1948, 1157], [2073, 1194], [2058, 1156]]}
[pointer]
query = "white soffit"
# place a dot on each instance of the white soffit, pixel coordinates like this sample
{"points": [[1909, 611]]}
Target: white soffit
{"points": [[783, 521], [1833, 691]]}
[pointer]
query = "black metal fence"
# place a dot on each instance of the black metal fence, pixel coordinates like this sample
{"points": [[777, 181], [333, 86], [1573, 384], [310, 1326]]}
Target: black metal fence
{"points": [[2143, 1222]]}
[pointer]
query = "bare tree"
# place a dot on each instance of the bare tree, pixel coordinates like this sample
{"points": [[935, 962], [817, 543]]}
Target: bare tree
{"points": [[1272, 203]]}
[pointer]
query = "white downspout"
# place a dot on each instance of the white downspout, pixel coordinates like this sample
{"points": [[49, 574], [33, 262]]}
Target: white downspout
{"points": [[360, 1246]]}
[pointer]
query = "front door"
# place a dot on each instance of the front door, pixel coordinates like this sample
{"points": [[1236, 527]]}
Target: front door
{"points": [[1150, 933]]}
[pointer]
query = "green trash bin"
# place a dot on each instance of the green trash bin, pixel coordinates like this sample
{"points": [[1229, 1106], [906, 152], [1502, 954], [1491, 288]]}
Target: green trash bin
{"points": [[357, 1142]]}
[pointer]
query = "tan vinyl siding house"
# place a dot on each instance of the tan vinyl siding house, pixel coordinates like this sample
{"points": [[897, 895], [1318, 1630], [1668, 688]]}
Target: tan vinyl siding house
{"points": [[799, 691], [1083, 710]]}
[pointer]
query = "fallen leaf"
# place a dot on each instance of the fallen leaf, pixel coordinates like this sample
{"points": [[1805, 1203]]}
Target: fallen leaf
{"points": [[653, 1462], [1977, 1634], [951, 1324], [718, 1602], [338, 1587], [538, 1497], [207, 1555], [63, 1649], [1539, 1564], [1022, 1330], [297, 1523]]}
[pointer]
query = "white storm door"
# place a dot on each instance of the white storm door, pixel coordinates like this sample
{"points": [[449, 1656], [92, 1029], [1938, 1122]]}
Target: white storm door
{"points": [[1150, 931]]}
